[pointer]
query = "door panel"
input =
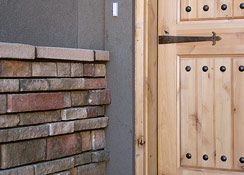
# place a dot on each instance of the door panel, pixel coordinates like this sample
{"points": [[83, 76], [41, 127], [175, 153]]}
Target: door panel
{"points": [[201, 90]]}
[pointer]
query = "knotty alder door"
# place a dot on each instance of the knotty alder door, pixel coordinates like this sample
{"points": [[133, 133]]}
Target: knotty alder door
{"points": [[201, 89]]}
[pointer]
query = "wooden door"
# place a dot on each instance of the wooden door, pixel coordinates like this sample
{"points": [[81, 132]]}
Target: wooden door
{"points": [[201, 89]]}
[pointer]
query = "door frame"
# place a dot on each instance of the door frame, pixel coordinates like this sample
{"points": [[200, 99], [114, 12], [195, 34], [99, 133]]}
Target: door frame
{"points": [[146, 129]]}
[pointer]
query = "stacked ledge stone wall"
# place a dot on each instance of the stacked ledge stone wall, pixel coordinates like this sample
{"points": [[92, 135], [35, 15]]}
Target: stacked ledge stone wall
{"points": [[52, 109]]}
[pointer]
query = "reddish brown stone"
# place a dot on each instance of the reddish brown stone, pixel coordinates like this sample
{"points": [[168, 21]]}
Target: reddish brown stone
{"points": [[86, 140], [63, 69], [89, 70], [76, 69], [91, 111], [34, 102], [15, 69], [99, 97], [62, 146], [95, 83]]}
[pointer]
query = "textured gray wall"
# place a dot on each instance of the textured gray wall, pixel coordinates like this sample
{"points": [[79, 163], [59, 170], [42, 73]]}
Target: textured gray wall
{"points": [[119, 41], [86, 24], [60, 23]]}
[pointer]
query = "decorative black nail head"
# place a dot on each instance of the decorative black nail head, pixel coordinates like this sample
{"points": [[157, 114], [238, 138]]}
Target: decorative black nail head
{"points": [[205, 157], [242, 5], [224, 7], [188, 8], [222, 68], [241, 68], [242, 160], [188, 68], [205, 8], [188, 155], [205, 68], [223, 158]]}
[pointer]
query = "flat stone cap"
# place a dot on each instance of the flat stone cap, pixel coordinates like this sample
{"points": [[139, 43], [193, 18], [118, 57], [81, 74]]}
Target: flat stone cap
{"points": [[23, 51], [16, 51], [65, 53]]}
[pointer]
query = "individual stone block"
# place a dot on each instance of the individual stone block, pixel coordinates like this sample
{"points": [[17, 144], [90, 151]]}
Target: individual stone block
{"points": [[61, 146], [98, 139], [61, 128], [25, 170], [73, 171], [67, 99], [44, 69], [65, 53], [34, 85], [9, 85], [16, 51], [100, 111], [9, 120], [63, 69], [74, 113], [89, 70], [86, 140], [15, 68], [99, 97], [101, 55], [95, 83], [3, 102], [100, 70], [93, 123], [92, 111], [66, 84], [100, 156], [15, 134], [83, 158], [92, 169], [76, 69], [33, 102], [79, 98], [39, 117], [54, 166], [21, 153]]}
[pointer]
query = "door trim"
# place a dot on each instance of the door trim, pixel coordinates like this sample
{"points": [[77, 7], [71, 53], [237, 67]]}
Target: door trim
{"points": [[146, 102]]}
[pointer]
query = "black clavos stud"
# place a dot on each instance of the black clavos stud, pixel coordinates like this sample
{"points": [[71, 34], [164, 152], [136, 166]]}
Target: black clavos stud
{"points": [[188, 8], [205, 8], [222, 68], [205, 68], [241, 68], [242, 5], [205, 157], [224, 7], [188, 68], [188, 155], [242, 160], [223, 158]]}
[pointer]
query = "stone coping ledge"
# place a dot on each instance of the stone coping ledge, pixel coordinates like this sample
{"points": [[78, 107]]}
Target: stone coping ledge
{"points": [[24, 51]]}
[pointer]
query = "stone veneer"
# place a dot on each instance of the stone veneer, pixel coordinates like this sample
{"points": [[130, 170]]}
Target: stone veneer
{"points": [[52, 112]]}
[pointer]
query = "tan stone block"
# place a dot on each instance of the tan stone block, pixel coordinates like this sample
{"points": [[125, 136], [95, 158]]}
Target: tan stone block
{"points": [[25, 170], [101, 55], [100, 156], [83, 158], [92, 123], [9, 85], [63, 69], [54, 166], [98, 139], [9, 68], [21, 153], [9, 120], [100, 70], [79, 98], [65, 53], [73, 113], [76, 69], [3, 102], [17, 51], [86, 140], [61, 128], [44, 69], [39, 117], [23, 133], [92, 169]]}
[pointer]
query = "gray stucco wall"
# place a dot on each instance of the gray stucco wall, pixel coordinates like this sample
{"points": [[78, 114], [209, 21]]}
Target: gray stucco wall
{"points": [[87, 24]]}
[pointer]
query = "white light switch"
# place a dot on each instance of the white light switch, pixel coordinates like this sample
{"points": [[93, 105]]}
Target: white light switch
{"points": [[115, 9]]}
